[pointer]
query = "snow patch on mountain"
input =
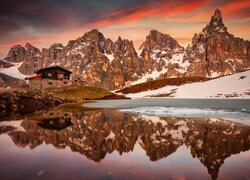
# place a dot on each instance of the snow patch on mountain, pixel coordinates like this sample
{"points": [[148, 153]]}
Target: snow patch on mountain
{"points": [[109, 56], [13, 71], [233, 86], [178, 59], [153, 75]]}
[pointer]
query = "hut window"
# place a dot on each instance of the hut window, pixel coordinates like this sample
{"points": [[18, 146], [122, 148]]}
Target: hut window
{"points": [[50, 83]]}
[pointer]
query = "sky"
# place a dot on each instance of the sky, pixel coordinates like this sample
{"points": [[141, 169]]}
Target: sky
{"points": [[44, 22]]}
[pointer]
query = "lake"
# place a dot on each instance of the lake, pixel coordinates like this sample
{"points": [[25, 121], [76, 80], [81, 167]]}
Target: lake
{"points": [[130, 139]]}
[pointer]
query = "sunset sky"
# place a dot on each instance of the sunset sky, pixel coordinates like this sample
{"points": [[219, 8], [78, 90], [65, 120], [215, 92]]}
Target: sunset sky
{"points": [[45, 22]]}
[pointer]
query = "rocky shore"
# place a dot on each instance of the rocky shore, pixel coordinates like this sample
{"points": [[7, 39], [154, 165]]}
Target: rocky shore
{"points": [[21, 101], [25, 101]]}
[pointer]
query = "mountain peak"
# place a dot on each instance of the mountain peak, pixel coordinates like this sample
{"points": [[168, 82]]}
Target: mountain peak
{"points": [[27, 45], [16, 54], [217, 13], [93, 35], [159, 39], [94, 32], [156, 34], [216, 23], [153, 31]]}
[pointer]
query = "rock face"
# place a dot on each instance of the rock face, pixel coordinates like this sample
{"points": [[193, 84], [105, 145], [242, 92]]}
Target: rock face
{"points": [[29, 55], [215, 52], [4, 64], [16, 54], [23, 101], [162, 53], [31, 61], [99, 61], [116, 66]]}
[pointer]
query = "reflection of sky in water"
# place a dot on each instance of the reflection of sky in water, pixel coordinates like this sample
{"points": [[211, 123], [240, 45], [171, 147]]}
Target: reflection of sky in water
{"points": [[29, 160], [47, 161]]}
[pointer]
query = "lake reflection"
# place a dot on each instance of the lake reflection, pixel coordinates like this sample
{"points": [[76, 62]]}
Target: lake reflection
{"points": [[124, 145]]}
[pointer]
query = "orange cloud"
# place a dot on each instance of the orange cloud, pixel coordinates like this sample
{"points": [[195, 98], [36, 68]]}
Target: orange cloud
{"points": [[180, 19], [234, 8]]}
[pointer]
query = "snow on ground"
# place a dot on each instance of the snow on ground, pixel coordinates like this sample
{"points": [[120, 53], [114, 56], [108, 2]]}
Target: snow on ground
{"points": [[176, 59], [224, 87], [13, 71]]}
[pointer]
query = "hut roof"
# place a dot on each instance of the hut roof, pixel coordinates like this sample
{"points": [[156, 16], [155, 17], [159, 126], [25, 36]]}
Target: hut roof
{"points": [[53, 67], [33, 77]]}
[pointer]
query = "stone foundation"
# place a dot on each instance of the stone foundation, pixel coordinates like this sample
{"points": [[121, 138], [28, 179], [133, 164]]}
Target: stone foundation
{"points": [[48, 83]]}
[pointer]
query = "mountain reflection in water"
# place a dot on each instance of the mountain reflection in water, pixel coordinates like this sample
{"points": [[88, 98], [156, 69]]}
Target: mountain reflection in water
{"points": [[98, 133]]}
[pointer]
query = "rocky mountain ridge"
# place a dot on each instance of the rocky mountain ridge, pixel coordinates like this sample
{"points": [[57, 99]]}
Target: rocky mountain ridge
{"points": [[99, 61]]}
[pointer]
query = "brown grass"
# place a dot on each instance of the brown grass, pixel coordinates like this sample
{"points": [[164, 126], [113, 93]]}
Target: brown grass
{"points": [[80, 93], [156, 84]]}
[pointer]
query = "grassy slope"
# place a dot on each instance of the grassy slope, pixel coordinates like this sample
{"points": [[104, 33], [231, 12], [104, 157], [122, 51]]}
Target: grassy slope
{"points": [[81, 92], [156, 84]]}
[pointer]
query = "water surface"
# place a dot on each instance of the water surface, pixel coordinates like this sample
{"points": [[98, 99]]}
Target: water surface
{"points": [[75, 143]]}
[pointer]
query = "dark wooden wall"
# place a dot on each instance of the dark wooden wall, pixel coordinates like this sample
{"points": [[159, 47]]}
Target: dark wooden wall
{"points": [[52, 73]]}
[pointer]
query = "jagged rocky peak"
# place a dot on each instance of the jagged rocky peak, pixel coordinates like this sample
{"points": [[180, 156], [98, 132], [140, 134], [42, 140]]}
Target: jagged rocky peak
{"points": [[31, 50], [158, 40], [94, 34], [117, 64], [123, 46], [215, 27], [158, 50], [216, 23], [16, 54], [96, 38], [58, 46], [19, 53], [108, 46], [31, 58], [53, 51], [215, 52]]}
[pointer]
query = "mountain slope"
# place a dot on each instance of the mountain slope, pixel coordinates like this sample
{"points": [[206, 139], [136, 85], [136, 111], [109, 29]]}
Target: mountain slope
{"points": [[232, 86], [9, 81]]}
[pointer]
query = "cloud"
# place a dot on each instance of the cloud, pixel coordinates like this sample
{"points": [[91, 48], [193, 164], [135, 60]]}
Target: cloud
{"points": [[45, 21], [145, 10]]}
